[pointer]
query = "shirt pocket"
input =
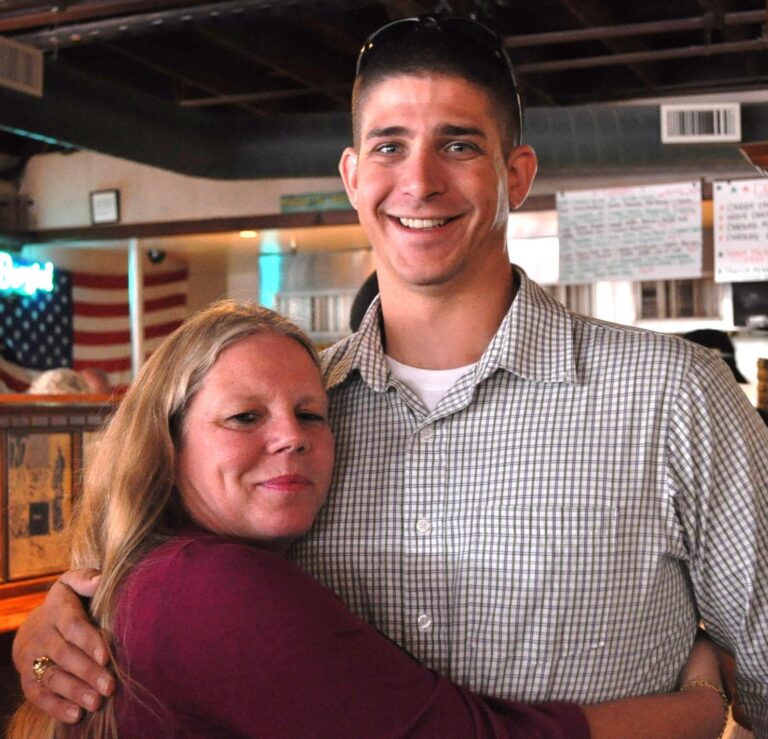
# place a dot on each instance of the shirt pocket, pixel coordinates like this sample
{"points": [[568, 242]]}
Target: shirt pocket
{"points": [[539, 578]]}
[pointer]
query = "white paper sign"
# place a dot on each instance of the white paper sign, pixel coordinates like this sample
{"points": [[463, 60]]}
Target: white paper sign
{"points": [[631, 233], [741, 230]]}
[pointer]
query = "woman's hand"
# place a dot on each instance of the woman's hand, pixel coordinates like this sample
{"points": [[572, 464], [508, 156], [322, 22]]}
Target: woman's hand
{"points": [[60, 629]]}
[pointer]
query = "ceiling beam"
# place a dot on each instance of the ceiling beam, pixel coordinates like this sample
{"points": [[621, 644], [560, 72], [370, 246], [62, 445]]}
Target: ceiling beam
{"points": [[54, 15], [176, 76], [107, 29], [257, 97], [277, 56], [592, 13], [633, 29], [642, 57]]}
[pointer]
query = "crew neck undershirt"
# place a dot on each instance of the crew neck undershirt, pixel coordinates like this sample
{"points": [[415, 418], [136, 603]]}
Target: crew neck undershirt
{"points": [[429, 386]]}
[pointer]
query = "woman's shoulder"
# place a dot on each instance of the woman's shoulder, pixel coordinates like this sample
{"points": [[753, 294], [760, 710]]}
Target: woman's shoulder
{"points": [[195, 554], [199, 569], [207, 590]]}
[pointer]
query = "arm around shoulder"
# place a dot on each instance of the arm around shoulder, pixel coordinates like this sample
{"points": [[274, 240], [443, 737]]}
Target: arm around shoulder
{"points": [[60, 630]]}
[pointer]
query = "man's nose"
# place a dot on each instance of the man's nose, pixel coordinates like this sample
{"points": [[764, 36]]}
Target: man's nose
{"points": [[423, 174]]}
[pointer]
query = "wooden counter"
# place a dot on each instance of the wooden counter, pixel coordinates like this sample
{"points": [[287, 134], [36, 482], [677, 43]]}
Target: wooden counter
{"points": [[18, 599]]}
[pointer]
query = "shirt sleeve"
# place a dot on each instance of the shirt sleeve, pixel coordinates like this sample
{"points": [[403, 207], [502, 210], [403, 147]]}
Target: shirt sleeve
{"points": [[255, 647], [717, 472]]}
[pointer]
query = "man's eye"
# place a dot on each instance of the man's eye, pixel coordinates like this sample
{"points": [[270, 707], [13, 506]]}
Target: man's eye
{"points": [[387, 149], [461, 147]]}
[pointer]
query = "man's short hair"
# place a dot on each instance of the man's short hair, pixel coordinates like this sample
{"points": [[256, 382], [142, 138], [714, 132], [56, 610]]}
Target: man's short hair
{"points": [[456, 47]]}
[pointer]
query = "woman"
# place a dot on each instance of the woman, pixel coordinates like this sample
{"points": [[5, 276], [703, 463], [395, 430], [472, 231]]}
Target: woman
{"points": [[217, 458]]}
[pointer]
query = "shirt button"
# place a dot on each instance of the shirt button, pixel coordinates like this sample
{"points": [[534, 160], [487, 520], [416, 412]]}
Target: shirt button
{"points": [[423, 526], [425, 622], [427, 433]]}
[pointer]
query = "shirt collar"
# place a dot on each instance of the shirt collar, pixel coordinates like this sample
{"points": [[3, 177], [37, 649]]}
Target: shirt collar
{"points": [[362, 352], [534, 341]]}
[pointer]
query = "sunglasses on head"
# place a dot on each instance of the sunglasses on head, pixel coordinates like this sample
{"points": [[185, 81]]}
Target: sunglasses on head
{"points": [[474, 36]]}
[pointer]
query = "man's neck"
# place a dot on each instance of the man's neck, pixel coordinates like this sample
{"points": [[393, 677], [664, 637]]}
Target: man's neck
{"points": [[443, 331]]}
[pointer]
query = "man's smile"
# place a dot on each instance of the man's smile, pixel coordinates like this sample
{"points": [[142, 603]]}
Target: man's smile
{"points": [[423, 223]]}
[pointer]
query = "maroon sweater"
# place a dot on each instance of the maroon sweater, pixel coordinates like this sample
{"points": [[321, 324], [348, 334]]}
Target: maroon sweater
{"points": [[223, 639]]}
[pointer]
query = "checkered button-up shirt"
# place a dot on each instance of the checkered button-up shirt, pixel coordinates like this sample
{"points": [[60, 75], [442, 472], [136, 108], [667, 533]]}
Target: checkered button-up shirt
{"points": [[556, 526]]}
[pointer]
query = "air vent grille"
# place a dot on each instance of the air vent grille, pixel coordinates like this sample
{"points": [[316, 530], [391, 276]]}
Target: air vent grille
{"points": [[705, 123], [21, 67]]}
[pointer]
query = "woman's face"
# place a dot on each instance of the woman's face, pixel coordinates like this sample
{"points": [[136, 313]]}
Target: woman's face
{"points": [[256, 452]]}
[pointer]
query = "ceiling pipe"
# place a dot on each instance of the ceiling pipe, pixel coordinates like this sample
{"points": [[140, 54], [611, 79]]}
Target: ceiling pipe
{"points": [[79, 112]]}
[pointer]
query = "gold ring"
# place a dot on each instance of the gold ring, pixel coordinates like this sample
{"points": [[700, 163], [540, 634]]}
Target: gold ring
{"points": [[39, 666]]}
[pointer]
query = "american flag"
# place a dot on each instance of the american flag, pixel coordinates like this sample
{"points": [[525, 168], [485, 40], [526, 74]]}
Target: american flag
{"points": [[84, 322]]}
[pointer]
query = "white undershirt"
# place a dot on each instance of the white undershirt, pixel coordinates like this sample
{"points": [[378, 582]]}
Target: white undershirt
{"points": [[429, 386]]}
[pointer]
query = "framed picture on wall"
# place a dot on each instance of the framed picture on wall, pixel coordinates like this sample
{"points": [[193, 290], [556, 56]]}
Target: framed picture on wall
{"points": [[105, 206], [39, 502]]}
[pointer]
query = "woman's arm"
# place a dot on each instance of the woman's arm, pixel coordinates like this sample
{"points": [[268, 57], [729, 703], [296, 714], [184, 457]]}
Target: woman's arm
{"points": [[256, 646], [696, 712], [61, 628]]}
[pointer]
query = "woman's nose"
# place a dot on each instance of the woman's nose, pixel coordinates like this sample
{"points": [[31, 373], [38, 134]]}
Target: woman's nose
{"points": [[287, 434]]}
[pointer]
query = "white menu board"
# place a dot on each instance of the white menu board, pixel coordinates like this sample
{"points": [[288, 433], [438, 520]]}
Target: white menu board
{"points": [[631, 233], [741, 230]]}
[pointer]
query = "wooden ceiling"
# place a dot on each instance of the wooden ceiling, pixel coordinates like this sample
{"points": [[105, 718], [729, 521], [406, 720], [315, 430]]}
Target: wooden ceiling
{"points": [[261, 57]]}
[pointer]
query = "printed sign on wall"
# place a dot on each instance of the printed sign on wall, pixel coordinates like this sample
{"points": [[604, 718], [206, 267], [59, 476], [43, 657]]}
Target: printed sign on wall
{"points": [[631, 233], [741, 230]]}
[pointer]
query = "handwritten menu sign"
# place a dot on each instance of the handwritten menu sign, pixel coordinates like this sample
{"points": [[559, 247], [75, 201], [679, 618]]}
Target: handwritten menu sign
{"points": [[741, 230], [630, 233]]}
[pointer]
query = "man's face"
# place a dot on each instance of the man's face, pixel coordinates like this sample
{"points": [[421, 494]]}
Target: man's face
{"points": [[430, 181]]}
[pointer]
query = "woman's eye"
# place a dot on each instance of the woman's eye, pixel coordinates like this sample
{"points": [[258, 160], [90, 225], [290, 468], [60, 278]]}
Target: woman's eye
{"points": [[310, 416], [243, 419]]}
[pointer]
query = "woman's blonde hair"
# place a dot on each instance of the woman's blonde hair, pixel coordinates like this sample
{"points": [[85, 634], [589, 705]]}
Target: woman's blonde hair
{"points": [[129, 504]]}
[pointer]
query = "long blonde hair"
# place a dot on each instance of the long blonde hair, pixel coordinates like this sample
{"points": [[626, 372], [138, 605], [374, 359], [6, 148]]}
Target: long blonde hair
{"points": [[129, 504]]}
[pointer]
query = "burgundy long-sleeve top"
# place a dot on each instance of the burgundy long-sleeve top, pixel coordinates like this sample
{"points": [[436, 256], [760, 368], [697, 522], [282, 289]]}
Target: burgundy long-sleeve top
{"points": [[221, 639]]}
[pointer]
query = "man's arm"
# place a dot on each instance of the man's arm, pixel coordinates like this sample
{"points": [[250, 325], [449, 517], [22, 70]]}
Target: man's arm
{"points": [[718, 479], [60, 629]]}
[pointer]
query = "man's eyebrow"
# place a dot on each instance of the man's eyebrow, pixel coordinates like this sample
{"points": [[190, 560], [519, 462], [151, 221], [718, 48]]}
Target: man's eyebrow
{"points": [[450, 129], [378, 133], [446, 129]]}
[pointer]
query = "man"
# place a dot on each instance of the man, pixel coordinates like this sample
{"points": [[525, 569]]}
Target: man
{"points": [[538, 504]]}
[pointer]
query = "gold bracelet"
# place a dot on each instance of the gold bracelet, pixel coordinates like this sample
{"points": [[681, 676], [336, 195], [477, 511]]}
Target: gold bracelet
{"points": [[718, 690]]}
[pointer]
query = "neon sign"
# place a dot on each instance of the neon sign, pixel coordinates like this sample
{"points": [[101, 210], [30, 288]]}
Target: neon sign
{"points": [[25, 279]]}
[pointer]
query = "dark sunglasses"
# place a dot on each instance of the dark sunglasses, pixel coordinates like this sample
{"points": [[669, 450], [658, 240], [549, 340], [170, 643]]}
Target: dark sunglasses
{"points": [[475, 36]]}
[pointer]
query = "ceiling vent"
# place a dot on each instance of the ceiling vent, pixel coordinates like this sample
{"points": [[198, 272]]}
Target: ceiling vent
{"points": [[21, 67], [700, 123]]}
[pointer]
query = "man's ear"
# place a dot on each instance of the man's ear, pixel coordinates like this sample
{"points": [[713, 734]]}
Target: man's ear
{"points": [[348, 170], [521, 167]]}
